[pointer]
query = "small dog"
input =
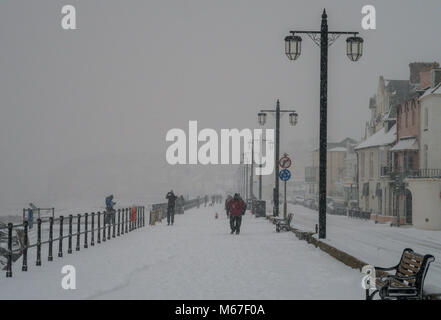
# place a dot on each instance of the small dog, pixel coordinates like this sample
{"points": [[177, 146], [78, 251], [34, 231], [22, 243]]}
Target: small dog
{"points": [[216, 215]]}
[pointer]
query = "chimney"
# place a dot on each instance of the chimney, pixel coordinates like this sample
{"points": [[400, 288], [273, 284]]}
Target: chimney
{"points": [[417, 67], [435, 77], [425, 79]]}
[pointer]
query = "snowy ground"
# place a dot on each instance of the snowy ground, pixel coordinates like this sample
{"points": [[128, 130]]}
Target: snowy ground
{"points": [[196, 258], [376, 244]]}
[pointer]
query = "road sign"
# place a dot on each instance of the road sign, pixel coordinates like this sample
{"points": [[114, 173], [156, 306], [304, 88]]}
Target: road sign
{"points": [[284, 175], [285, 162]]}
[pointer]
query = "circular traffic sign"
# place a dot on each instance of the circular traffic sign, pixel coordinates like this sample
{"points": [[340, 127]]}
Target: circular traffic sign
{"points": [[285, 162], [284, 175]]}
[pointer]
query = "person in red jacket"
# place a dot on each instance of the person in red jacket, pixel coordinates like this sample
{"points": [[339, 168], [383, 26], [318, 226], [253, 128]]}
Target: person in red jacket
{"points": [[236, 207]]}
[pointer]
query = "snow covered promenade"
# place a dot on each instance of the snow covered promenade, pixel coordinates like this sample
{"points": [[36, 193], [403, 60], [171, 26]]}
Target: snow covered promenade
{"points": [[376, 244], [197, 258]]}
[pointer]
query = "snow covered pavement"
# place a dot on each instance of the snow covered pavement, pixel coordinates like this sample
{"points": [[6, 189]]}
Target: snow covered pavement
{"points": [[197, 258], [376, 244]]}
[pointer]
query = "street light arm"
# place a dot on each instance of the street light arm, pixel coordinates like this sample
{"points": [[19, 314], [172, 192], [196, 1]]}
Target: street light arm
{"points": [[329, 32], [279, 111], [332, 35]]}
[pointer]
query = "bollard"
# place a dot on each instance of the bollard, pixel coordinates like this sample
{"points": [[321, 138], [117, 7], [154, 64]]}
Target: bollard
{"points": [[60, 243], [316, 228], [69, 249], [25, 249], [38, 262], [119, 220], [77, 248], [9, 265], [99, 227], [51, 239], [86, 216], [92, 240]]}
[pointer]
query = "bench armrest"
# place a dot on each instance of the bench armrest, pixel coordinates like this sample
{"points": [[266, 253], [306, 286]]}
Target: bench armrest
{"points": [[386, 269]]}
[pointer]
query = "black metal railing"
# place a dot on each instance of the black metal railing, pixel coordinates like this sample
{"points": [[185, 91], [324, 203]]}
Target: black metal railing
{"points": [[350, 213], [116, 224]]}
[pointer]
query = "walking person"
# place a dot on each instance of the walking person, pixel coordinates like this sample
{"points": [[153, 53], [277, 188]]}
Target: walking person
{"points": [[110, 211], [171, 197], [236, 208], [226, 205]]}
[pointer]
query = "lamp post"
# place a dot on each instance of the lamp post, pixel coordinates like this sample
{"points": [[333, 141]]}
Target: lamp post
{"points": [[293, 116], [354, 51]]}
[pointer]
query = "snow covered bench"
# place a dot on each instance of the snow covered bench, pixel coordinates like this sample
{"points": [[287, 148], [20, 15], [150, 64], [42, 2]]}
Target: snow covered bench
{"points": [[282, 224], [408, 280]]}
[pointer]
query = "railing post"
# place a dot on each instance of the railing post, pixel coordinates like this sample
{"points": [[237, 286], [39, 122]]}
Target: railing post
{"points": [[109, 225], [119, 221], [51, 238], [127, 217], [104, 226], [86, 216], [92, 235], [38, 262], [60, 243], [113, 224], [78, 232], [9, 265], [99, 227], [25, 249], [69, 244], [122, 221]]}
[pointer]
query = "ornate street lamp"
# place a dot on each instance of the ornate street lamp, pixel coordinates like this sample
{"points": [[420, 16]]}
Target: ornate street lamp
{"points": [[354, 51], [261, 118], [293, 120], [293, 47], [354, 48]]}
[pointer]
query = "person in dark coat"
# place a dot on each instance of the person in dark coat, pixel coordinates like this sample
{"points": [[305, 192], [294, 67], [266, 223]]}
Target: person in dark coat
{"points": [[226, 205], [171, 207], [236, 207], [110, 211]]}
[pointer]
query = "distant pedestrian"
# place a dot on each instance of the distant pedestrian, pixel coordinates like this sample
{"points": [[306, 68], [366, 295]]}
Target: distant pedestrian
{"points": [[110, 211], [226, 205], [171, 207], [236, 208]]}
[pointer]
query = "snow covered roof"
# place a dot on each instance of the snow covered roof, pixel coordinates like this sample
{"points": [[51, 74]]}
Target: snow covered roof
{"points": [[406, 144], [436, 90], [380, 138]]}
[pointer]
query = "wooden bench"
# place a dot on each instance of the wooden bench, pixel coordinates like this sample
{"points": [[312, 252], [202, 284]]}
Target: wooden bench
{"points": [[408, 280], [282, 224]]}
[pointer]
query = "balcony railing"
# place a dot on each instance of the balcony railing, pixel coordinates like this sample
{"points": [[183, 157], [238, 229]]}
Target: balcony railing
{"points": [[418, 173], [385, 171], [424, 173]]}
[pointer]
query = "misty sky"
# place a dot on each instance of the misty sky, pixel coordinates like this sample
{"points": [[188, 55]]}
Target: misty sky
{"points": [[85, 112]]}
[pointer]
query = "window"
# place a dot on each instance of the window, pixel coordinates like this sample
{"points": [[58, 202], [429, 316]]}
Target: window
{"points": [[410, 161], [413, 117], [407, 119], [371, 165], [362, 164], [426, 118]]}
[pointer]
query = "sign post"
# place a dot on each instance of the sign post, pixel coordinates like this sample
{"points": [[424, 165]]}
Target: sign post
{"points": [[285, 162]]}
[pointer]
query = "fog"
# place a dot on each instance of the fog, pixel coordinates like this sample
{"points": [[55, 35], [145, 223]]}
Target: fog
{"points": [[85, 112]]}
